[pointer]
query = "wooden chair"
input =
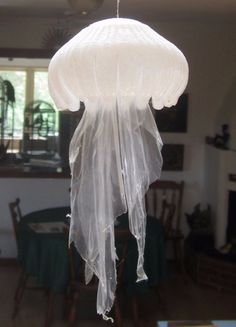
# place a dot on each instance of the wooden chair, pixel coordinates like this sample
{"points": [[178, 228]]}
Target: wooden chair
{"points": [[77, 282], [16, 216], [164, 201]]}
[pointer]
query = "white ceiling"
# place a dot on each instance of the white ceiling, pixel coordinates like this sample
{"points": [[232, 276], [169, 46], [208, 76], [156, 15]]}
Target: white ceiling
{"points": [[142, 9]]}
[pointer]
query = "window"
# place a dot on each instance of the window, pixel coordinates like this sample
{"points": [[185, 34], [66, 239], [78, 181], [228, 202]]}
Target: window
{"points": [[14, 115], [30, 140], [33, 106], [41, 86]]}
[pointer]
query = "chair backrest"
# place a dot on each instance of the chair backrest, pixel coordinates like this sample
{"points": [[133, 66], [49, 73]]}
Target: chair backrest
{"points": [[16, 216], [164, 201], [77, 280], [122, 238]]}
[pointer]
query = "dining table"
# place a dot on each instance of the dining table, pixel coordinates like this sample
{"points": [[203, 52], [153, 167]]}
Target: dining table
{"points": [[154, 256], [43, 250]]}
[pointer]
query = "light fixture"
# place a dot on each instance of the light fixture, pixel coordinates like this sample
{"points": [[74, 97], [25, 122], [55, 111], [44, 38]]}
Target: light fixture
{"points": [[84, 7], [55, 37], [114, 66]]}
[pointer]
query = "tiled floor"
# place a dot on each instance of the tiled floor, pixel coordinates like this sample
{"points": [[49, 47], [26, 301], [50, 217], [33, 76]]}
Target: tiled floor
{"points": [[182, 300]]}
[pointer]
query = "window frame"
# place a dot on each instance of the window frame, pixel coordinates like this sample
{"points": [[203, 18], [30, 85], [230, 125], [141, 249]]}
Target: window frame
{"points": [[6, 56], [30, 67]]}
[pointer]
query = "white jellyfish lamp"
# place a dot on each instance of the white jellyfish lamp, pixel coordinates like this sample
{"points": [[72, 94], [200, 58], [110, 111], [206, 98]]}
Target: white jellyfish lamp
{"points": [[114, 67]]}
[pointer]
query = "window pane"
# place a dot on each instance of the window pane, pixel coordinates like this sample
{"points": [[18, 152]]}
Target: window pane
{"points": [[41, 91], [14, 117]]}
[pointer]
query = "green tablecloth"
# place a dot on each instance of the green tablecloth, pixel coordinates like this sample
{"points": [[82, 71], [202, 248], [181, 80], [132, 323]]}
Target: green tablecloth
{"points": [[154, 256], [45, 256]]}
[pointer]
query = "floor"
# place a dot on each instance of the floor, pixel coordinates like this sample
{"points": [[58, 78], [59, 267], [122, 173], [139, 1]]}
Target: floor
{"points": [[181, 300]]}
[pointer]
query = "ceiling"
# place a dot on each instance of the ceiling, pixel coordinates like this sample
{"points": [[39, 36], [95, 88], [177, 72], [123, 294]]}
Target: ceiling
{"points": [[140, 9]]}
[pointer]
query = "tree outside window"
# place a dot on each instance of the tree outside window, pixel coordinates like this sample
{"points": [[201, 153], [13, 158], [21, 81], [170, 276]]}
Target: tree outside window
{"points": [[15, 117], [30, 85]]}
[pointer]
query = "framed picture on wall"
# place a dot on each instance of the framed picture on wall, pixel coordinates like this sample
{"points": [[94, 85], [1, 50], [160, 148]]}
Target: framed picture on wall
{"points": [[174, 119], [173, 157]]}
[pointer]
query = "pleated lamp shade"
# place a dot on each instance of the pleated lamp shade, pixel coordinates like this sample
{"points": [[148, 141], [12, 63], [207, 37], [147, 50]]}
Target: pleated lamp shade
{"points": [[118, 58]]}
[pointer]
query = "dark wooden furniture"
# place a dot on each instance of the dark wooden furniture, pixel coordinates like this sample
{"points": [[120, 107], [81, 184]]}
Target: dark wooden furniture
{"points": [[22, 284], [16, 216], [164, 201], [216, 273], [211, 269], [77, 282], [154, 265]]}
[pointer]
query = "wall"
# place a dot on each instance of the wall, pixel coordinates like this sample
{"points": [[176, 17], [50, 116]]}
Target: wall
{"points": [[211, 52], [209, 47], [219, 164]]}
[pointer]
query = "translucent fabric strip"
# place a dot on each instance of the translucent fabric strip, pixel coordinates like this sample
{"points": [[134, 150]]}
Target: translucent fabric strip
{"points": [[115, 154]]}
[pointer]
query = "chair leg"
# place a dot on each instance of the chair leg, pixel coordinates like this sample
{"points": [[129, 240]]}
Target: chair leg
{"points": [[66, 305], [158, 289], [175, 253], [159, 297], [177, 244], [19, 284], [72, 313], [178, 256], [117, 313], [19, 292], [49, 313], [134, 310]]}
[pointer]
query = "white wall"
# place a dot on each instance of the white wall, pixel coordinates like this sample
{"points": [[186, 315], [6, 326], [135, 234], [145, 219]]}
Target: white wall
{"points": [[219, 164], [210, 49]]}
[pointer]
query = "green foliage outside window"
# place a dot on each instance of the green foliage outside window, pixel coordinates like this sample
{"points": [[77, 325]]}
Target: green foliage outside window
{"points": [[41, 91], [18, 80]]}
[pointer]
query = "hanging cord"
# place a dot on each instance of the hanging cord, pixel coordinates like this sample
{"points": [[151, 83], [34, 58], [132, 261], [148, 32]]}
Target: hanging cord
{"points": [[118, 9]]}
